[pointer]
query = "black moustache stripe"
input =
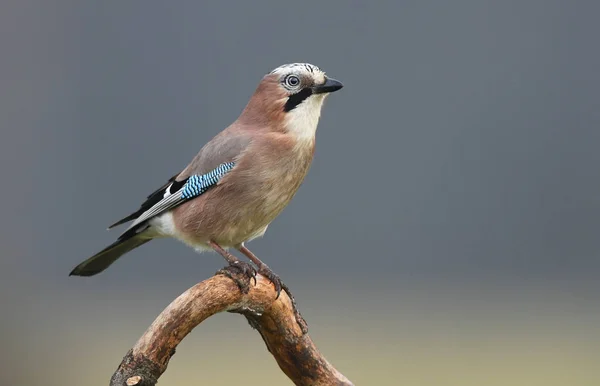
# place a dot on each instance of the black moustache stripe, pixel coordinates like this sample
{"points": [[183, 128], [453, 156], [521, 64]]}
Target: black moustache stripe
{"points": [[296, 99]]}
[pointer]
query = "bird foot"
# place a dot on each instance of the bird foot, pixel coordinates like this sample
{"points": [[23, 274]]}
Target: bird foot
{"points": [[265, 271], [241, 273]]}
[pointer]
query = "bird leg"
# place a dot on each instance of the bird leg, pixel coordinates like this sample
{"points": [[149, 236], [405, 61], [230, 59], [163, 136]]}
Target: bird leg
{"points": [[235, 268], [264, 270]]}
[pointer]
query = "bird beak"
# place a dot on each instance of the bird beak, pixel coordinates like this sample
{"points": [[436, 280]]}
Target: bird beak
{"points": [[330, 85]]}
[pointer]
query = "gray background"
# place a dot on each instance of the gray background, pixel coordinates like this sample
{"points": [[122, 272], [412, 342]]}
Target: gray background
{"points": [[447, 232]]}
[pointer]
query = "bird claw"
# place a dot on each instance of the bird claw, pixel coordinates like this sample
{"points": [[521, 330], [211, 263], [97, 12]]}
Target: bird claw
{"points": [[241, 273], [279, 285], [273, 278]]}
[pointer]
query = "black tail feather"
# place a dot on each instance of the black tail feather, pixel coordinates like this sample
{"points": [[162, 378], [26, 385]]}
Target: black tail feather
{"points": [[103, 259]]}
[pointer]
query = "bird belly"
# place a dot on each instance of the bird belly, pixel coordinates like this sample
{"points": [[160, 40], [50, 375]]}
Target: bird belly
{"points": [[227, 216]]}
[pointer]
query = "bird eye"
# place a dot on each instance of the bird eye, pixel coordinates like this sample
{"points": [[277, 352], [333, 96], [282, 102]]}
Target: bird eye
{"points": [[292, 81]]}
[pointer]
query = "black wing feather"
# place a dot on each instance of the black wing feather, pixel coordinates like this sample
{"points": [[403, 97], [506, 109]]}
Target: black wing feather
{"points": [[152, 199]]}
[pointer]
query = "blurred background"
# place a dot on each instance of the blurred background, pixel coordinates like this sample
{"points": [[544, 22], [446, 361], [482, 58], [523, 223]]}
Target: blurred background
{"points": [[447, 233]]}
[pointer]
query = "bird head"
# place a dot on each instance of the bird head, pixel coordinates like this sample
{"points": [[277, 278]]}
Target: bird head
{"points": [[293, 95], [303, 82]]}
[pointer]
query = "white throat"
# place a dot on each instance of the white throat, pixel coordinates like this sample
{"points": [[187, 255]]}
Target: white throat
{"points": [[302, 121]]}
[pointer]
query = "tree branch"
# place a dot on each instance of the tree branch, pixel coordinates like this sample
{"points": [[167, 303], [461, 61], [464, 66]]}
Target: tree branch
{"points": [[293, 350]]}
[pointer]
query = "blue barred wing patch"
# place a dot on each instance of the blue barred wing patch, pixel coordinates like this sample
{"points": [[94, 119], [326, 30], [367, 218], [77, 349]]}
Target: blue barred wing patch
{"points": [[198, 184]]}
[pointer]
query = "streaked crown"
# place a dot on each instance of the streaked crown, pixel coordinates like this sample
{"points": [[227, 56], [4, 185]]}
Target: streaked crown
{"points": [[299, 68]]}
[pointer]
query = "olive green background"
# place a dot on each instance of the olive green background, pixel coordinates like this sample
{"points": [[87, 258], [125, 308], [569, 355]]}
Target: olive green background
{"points": [[447, 233]]}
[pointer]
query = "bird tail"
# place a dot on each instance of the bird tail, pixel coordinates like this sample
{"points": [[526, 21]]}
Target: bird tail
{"points": [[103, 259]]}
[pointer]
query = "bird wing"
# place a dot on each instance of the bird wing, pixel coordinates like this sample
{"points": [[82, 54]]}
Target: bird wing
{"points": [[152, 199], [213, 161]]}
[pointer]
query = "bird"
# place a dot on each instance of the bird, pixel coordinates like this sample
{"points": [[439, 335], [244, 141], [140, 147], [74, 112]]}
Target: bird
{"points": [[240, 180]]}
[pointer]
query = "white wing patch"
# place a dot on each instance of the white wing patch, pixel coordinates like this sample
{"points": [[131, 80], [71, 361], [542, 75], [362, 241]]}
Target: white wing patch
{"points": [[167, 191]]}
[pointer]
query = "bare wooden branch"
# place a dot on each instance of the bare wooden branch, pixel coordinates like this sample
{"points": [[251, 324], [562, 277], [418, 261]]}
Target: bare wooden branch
{"points": [[293, 349]]}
